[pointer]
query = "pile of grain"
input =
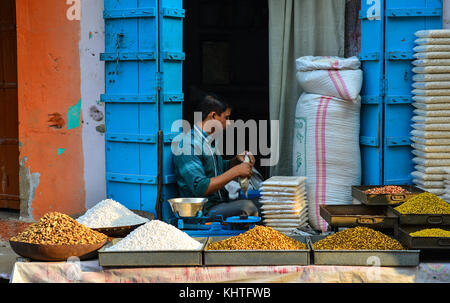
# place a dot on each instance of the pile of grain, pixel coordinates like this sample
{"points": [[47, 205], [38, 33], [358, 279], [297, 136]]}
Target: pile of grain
{"points": [[258, 238], [59, 229], [425, 203], [431, 232], [110, 213], [358, 238], [156, 235]]}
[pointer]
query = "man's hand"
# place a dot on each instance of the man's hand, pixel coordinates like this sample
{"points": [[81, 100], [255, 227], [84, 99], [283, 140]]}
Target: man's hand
{"points": [[240, 159], [243, 170]]}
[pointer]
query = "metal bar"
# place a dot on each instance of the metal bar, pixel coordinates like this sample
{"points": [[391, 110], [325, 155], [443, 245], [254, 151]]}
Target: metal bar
{"points": [[175, 56], [173, 13], [368, 141], [411, 12], [398, 141], [143, 56], [368, 100], [132, 138], [390, 55], [399, 99], [173, 98], [128, 98], [149, 12], [369, 56], [126, 178]]}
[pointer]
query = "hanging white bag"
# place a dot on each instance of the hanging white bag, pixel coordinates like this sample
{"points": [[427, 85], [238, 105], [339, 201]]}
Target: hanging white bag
{"points": [[330, 76]]}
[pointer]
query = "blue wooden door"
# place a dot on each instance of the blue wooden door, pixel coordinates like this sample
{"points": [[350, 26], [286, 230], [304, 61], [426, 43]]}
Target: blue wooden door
{"points": [[140, 97], [402, 19], [372, 93], [387, 42]]}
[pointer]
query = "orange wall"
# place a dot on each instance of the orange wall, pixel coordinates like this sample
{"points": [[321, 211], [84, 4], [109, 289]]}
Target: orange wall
{"points": [[49, 83]]}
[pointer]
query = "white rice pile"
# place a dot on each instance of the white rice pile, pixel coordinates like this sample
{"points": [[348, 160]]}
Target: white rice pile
{"points": [[110, 213], [156, 235]]}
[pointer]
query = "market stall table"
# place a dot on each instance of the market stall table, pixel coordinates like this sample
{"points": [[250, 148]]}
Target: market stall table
{"points": [[91, 272]]}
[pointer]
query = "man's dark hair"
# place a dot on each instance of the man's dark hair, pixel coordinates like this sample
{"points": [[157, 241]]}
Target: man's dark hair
{"points": [[211, 103]]}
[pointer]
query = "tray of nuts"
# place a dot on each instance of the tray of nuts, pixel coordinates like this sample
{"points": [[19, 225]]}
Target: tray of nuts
{"points": [[261, 245], [362, 246], [56, 237], [384, 195], [423, 209], [424, 237]]}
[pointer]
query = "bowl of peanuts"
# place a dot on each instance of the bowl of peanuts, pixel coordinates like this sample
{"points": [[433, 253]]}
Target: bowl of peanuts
{"points": [[57, 237]]}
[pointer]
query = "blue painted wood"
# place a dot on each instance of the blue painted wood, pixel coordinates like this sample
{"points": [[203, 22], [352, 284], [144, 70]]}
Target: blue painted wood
{"points": [[371, 56], [131, 101], [402, 20], [171, 59]]}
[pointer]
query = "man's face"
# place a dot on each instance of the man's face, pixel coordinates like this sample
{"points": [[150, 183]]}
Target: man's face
{"points": [[224, 118]]}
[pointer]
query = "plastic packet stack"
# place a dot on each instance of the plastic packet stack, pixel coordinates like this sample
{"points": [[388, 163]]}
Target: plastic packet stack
{"points": [[431, 120], [446, 196], [284, 203]]}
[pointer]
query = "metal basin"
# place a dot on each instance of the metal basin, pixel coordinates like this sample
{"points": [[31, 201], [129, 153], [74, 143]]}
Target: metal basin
{"points": [[187, 207]]}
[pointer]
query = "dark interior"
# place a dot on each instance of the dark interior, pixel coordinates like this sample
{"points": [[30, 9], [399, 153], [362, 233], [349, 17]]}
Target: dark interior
{"points": [[227, 53]]}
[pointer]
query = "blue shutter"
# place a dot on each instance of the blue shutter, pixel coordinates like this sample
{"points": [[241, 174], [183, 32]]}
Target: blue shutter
{"points": [[372, 93], [131, 101], [402, 19], [171, 99]]}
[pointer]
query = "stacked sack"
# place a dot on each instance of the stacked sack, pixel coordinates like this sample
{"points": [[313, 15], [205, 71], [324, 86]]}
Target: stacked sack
{"points": [[446, 196], [431, 120], [326, 132], [283, 201]]}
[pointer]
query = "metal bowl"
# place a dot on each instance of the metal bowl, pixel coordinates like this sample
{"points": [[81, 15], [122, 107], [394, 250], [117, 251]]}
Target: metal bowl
{"points": [[187, 207]]}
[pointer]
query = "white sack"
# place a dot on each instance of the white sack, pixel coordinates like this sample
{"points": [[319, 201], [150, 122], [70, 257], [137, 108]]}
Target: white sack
{"points": [[433, 33], [326, 147], [330, 76]]}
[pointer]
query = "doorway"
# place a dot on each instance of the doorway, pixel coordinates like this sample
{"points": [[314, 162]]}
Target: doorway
{"points": [[226, 43], [9, 120]]}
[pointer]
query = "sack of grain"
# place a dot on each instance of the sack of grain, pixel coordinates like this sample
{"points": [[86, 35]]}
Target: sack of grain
{"points": [[431, 156], [430, 120], [431, 62], [431, 85], [431, 162], [432, 113], [326, 146], [427, 177], [433, 33], [431, 148], [431, 134], [330, 76], [432, 41], [432, 55], [431, 92], [431, 99], [432, 126], [431, 69], [430, 142], [432, 48]]}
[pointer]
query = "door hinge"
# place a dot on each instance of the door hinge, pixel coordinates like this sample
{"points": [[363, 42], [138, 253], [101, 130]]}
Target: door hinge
{"points": [[159, 81], [383, 87]]}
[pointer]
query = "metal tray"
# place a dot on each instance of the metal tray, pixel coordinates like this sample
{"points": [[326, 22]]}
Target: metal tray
{"points": [[358, 215], [422, 242], [384, 199], [255, 257], [425, 219], [365, 257], [150, 258]]}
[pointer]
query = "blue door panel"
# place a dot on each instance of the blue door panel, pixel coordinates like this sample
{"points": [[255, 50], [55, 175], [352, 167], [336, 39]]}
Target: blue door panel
{"points": [[403, 18], [126, 193], [171, 57], [371, 56], [131, 101]]}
